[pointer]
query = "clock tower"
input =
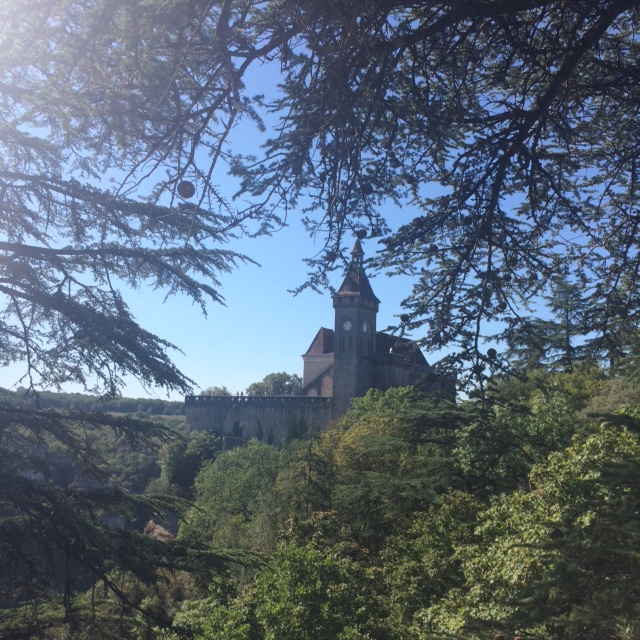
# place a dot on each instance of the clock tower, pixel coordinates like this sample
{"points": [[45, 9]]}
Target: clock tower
{"points": [[355, 335]]}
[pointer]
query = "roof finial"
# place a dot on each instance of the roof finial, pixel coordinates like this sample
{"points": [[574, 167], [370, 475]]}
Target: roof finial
{"points": [[357, 254]]}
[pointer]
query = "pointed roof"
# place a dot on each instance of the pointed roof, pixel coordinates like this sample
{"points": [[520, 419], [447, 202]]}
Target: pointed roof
{"points": [[387, 343], [356, 282], [357, 251], [322, 343]]}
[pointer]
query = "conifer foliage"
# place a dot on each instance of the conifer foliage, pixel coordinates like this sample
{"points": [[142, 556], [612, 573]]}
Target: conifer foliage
{"points": [[61, 521], [510, 127], [437, 521], [78, 132]]}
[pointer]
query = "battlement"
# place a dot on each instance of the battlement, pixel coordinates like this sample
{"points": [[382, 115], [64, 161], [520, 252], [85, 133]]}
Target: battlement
{"points": [[341, 364], [256, 401]]}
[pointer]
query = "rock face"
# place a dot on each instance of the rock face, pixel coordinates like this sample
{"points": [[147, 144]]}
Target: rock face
{"points": [[157, 532]]}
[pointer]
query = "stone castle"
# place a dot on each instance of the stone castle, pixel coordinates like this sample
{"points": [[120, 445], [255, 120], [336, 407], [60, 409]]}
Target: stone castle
{"points": [[342, 363]]}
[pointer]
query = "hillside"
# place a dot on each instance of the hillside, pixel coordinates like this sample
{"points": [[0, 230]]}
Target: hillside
{"points": [[86, 402]]}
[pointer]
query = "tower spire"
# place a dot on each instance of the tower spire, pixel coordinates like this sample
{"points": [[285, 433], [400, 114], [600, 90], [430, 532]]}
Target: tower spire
{"points": [[356, 308], [357, 253], [356, 282]]}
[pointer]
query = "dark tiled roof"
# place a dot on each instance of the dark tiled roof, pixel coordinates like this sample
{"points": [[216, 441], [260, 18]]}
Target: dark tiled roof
{"points": [[402, 346], [322, 343], [356, 282], [357, 251]]}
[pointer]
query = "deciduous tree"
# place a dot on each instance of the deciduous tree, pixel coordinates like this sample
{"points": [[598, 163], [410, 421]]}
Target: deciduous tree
{"points": [[74, 234], [234, 499], [558, 560], [276, 384], [393, 459], [512, 128]]}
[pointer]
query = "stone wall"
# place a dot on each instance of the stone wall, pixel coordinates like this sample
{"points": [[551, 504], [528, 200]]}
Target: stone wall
{"points": [[268, 418], [395, 370]]}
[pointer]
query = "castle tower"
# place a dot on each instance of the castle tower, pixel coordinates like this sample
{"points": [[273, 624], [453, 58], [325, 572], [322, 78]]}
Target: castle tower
{"points": [[355, 335]]}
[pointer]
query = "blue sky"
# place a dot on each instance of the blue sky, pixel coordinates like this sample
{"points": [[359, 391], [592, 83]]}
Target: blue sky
{"points": [[263, 328]]}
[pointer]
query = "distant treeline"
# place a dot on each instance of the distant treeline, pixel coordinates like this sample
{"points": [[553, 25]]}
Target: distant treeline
{"points": [[85, 402]]}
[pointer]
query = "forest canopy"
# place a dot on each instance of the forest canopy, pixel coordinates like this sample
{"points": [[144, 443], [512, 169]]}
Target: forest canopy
{"points": [[510, 127]]}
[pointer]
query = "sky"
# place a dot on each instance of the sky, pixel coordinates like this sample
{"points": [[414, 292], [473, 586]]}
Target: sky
{"points": [[263, 328]]}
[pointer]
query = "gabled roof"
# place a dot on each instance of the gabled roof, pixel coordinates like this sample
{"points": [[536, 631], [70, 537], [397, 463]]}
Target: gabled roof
{"points": [[356, 282], [322, 343], [386, 343]]}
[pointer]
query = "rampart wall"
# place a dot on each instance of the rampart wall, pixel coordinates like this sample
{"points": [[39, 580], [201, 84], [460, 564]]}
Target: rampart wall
{"points": [[268, 418]]}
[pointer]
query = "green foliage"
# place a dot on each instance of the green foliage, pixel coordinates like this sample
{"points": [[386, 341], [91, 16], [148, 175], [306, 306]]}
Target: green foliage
{"points": [[303, 594], [551, 344], [65, 501], [309, 595], [420, 565], [215, 391], [525, 418], [212, 620], [305, 480], [70, 239], [416, 519], [85, 402], [520, 116], [495, 451], [78, 228], [131, 468], [526, 388], [393, 459], [560, 560], [234, 499], [613, 397], [181, 460], [57, 513], [276, 384]]}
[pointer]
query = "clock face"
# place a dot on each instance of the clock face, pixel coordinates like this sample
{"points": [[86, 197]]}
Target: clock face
{"points": [[346, 325], [365, 327]]}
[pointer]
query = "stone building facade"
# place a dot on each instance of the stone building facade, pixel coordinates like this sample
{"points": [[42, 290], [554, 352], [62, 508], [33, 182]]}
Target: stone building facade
{"points": [[342, 363]]}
